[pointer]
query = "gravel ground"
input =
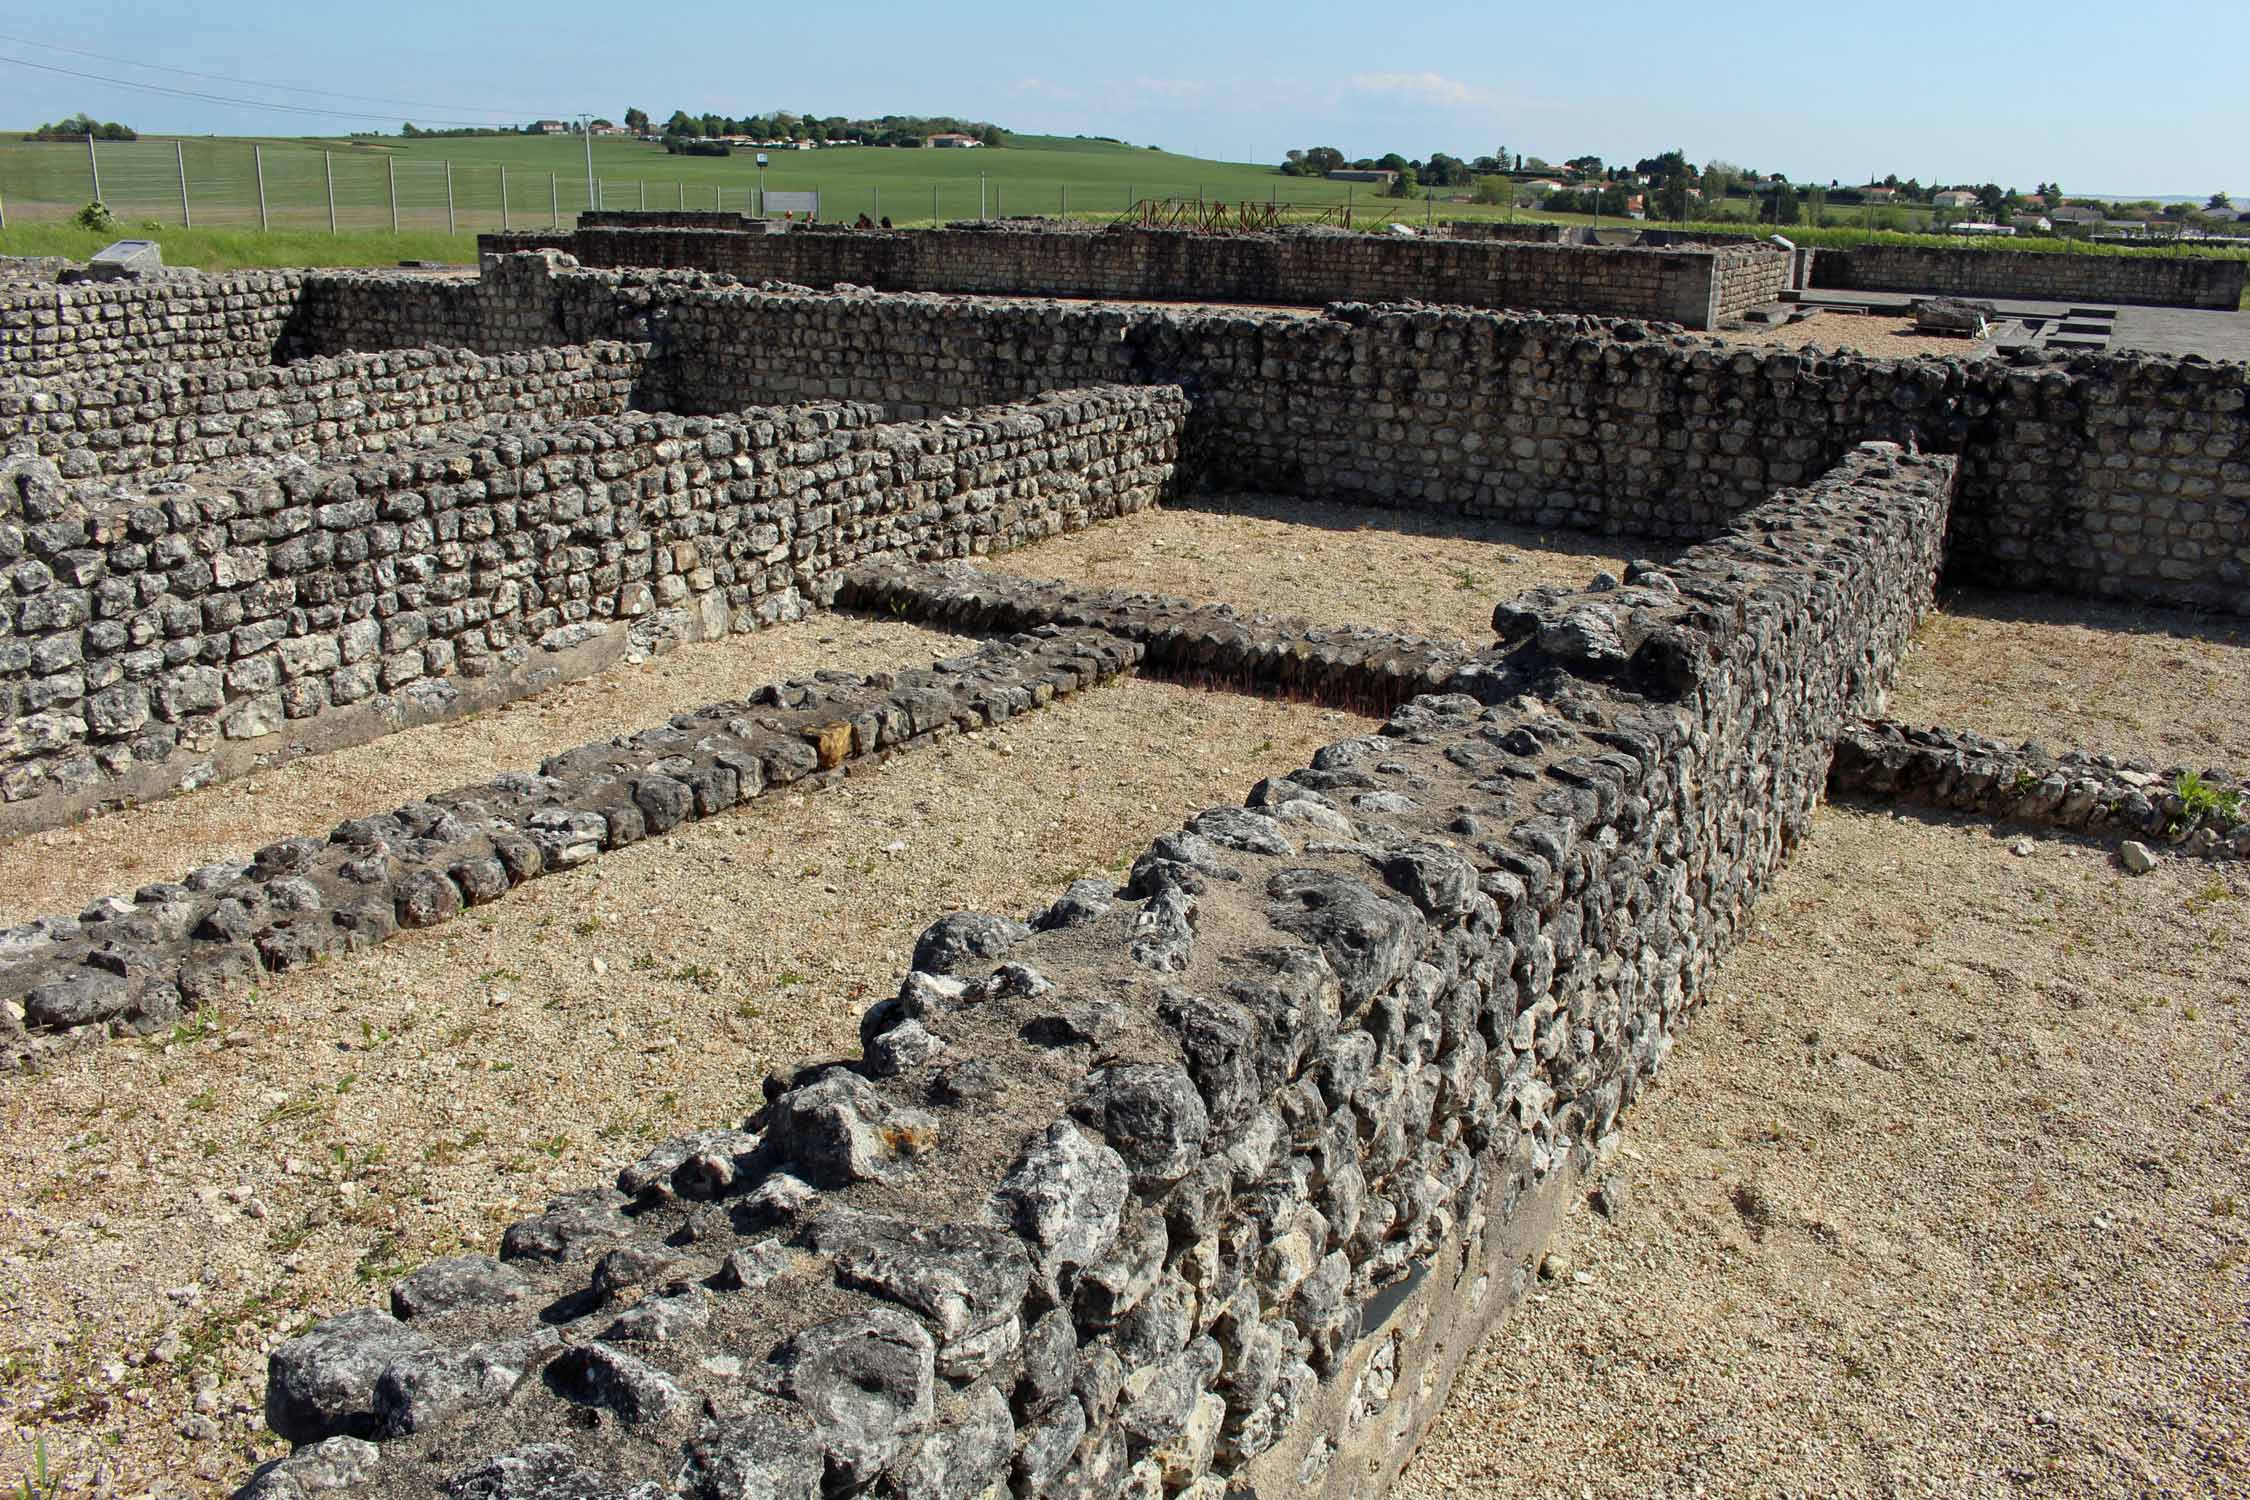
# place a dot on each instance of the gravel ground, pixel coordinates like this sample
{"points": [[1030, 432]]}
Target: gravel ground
{"points": [[1332, 564], [1945, 1192], [171, 1210], [2070, 672], [1884, 335]]}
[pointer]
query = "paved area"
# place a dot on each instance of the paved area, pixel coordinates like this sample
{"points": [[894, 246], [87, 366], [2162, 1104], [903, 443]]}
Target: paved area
{"points": [[2157, 330]]}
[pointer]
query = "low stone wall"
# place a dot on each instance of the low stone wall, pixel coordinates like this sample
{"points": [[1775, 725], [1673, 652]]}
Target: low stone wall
{"points": [[132, 964], [2140, 280], [158, 641], [2099, 795], [1204, 1183], [664, 218], [150, 420], [92, 328], [1530, 232], [1680, 286], [1372, 671]]}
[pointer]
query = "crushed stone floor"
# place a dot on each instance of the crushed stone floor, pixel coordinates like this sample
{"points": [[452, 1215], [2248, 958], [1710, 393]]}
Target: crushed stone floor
{"points": [[2073, 673], [1329, 563], [1941, 1193]]}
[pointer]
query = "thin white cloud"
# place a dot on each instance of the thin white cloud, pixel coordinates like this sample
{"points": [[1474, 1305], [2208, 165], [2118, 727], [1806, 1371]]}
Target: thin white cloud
{"points": [[1045, 89], [1418, 88], [1170, 88]]}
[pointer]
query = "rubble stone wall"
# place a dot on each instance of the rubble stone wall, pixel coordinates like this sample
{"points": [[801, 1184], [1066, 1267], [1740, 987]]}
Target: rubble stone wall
{"points": [[1203, 1185], [2115, 475], [1683, 286], [90, 328], [160, 639], [2140, 280], [150, 420]]}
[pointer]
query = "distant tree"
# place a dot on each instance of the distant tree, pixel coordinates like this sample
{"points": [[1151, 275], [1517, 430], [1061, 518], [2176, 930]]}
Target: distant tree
{"points": [[636, 120], [683, 123], [1496, 189], [1991, 196], [2218, 201], [1323, 160], [1405, 184], [1585, 166], [81, 125], [1534, 164], [1445, 171]]}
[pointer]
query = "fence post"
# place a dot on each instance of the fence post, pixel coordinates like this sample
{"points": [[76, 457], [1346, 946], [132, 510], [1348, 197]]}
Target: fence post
{"points": [[554, 197], [94, 166], [878, 205], [390, 174], [683, 195], [179, 157], [644, 195], [258, 166], [449, 229], [1066, 200], [328, 174], [935, 221], [505, 226], [999, 203], [980, 185]]}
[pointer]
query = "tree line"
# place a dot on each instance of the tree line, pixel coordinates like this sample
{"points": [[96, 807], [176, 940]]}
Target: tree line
{"points": [[81, 125]]}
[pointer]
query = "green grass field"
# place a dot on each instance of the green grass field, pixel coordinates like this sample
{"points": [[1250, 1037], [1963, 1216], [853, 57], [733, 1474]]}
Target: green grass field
{"points": [[46, 182]]}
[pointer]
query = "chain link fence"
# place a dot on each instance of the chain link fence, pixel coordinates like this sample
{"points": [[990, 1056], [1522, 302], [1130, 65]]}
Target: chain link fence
{"points": [[237, 184]]}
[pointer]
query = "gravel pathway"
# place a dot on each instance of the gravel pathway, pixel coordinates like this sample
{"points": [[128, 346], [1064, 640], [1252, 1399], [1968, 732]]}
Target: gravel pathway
{"points": [[1943, 1193]]}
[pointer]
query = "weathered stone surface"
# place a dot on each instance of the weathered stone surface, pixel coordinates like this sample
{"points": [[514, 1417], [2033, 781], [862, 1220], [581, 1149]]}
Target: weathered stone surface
{"points": [[322, 1384], [869, 1383]]}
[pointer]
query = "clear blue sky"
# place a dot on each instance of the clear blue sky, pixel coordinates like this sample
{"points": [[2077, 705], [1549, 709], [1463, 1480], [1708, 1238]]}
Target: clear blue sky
{"points": [[2149, 97]]}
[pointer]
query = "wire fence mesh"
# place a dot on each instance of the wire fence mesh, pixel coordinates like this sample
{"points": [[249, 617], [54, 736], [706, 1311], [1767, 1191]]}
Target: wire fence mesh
{"points": [[237, 184]]}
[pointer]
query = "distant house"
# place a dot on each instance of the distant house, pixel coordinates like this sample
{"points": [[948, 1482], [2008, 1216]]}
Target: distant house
{"points": [[2072, 214], [951, 138], [2036, 223], [1636, 207], [1956, 198], [603, 127], [551, 127], [1543, 185], [1879, 194], [1363, 174]]}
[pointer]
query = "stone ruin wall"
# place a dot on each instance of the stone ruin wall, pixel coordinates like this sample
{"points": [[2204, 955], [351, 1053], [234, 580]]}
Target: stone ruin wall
{"points": [[1203, 1186], [89, 329], [144, 421], [2138, 280], [1689, 287], [2117, 476], [161, 635]]}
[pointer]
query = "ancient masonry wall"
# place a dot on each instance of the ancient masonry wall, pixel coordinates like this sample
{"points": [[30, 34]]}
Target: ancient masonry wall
{"points": [[2147, 280], [1205, 1185], [1684, 286], [2120, 476], [90, 328], [157, 641], [152, 419]]}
